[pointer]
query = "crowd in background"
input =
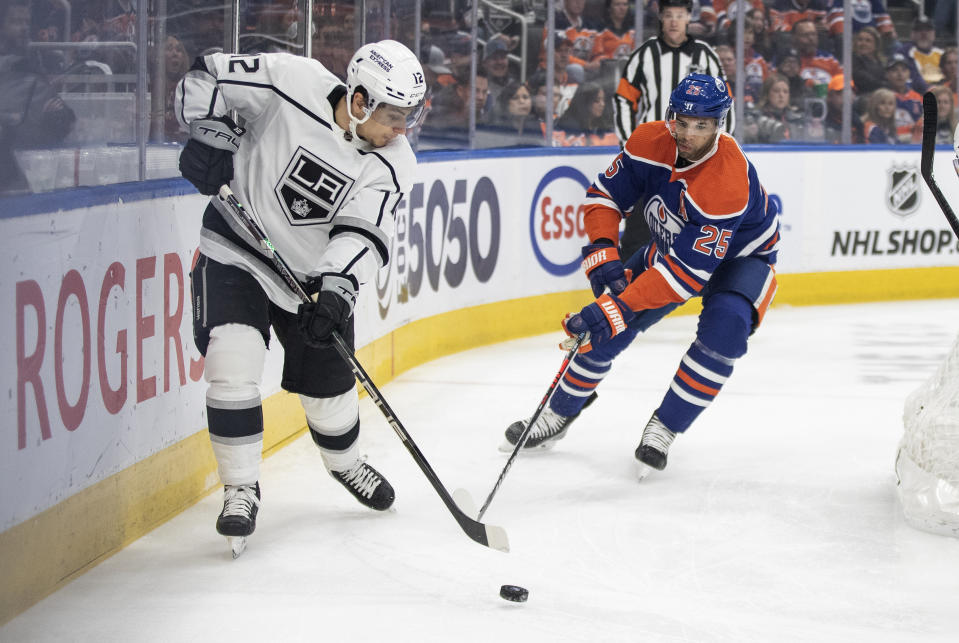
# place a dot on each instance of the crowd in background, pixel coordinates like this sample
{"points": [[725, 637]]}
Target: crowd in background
{"points": [[793, 77]]}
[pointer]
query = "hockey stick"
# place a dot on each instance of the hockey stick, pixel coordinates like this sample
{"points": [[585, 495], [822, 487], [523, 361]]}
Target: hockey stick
{"points": [[487, 535], [930, 123], [524, 436]]}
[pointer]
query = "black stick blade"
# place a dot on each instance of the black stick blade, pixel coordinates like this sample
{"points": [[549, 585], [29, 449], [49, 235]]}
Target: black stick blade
{"points": [[930, 124]]}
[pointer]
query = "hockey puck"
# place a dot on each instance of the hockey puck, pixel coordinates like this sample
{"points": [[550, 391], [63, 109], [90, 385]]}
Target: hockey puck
{"points": [[514, 593]]}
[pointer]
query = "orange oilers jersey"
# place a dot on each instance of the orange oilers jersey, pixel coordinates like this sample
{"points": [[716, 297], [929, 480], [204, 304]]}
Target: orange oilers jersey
{"points": [[609, 44], [783, 14], [699, 215], [871, 13]]}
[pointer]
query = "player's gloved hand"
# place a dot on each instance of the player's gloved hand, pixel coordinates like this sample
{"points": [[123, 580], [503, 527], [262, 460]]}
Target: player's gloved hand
{"points": [[604, 268], [604, 319], [207, 159], [331, 310]]}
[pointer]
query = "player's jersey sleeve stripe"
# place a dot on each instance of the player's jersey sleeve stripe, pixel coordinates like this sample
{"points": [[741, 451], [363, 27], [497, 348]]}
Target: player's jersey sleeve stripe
{"points": [[677, 271], [766, 296], [281, 94], [355, 260], [768, 236], [389, 167], [364, 231], [675, 284]]}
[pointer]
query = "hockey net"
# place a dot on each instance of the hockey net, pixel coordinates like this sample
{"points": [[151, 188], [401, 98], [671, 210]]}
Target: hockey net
{"points": [[927, 463]]}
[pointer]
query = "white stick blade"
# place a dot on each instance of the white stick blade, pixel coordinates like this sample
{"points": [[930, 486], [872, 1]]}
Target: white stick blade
{"points": [[497, 538], [465, 502]]}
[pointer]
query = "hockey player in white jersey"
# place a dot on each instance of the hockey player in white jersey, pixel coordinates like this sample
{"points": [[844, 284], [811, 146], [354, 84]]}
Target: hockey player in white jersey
{"points": [[323, 167]]}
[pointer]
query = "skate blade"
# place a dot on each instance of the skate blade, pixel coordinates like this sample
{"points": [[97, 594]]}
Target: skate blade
{"points": [[507, 447], [642, 470], [237, 545]]}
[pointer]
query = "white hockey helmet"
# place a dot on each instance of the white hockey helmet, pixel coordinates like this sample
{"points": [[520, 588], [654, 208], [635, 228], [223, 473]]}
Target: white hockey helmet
{"points": [[388, 74]]}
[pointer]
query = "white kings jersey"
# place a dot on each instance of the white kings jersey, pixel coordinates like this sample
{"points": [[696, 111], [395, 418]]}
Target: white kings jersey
{"points": [[327, 204]]}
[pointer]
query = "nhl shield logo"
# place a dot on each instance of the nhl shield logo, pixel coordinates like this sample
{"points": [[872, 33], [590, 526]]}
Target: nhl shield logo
{"points": [[311, 190], [902, 190]]}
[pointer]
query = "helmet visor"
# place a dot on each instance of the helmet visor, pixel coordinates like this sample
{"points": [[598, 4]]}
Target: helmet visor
{"points": [[397, 117]]}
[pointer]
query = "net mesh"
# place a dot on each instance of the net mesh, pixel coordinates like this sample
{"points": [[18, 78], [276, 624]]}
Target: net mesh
{"points": [[927, 464]]}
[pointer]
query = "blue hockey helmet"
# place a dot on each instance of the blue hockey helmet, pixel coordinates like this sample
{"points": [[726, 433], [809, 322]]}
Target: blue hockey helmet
{"points": [[700, 96]]}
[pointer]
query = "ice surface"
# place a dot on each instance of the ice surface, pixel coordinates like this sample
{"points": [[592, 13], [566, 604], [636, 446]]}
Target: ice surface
{"points": [[776, 519]]}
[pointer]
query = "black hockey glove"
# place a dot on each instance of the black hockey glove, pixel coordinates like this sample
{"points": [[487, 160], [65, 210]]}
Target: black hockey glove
{"points": [[330, 311], [207, 159]]}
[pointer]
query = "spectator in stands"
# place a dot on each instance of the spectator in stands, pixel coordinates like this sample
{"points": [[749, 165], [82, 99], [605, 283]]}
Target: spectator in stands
{"points": [[333, 46], [32, 114], [816, 66], [176, 63], [868, 66], [589, 118], [755, 66], [450, 107], [758, 24], [537, 86], [948, 115], [788, 66], [865, 13], [581, 33], [702, 20], [783, 14], [949, 63], [198, 24], [513, 113], [922, 50], [778, 119], [496, 66], [728, 10], [567, 73], [755, 70], [458, 48], [908, 101], [833, 122], [945, 15], [880, 123], [617, 36]]}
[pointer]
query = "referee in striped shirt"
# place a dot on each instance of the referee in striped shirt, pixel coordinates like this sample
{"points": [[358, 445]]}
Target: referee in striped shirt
{"points": [[657, 66]]}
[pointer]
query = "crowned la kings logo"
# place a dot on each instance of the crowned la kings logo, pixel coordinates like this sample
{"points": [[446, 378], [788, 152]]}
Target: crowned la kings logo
{"points": [[902, 190], [311, 190]]}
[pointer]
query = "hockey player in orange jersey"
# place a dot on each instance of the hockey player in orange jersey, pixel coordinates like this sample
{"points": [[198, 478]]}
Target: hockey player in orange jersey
{"points": [[715, 235]]}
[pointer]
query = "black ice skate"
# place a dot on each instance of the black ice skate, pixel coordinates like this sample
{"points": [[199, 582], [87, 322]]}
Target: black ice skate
{"points": [[366, 484], [653, 447], [238, 518], [550, 428]]}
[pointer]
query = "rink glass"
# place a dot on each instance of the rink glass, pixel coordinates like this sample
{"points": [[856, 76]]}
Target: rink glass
{"points": [[117, 71]]}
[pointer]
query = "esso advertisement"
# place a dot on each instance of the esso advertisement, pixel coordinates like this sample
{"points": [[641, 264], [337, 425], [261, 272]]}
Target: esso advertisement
{"points": [[556, 227]]}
